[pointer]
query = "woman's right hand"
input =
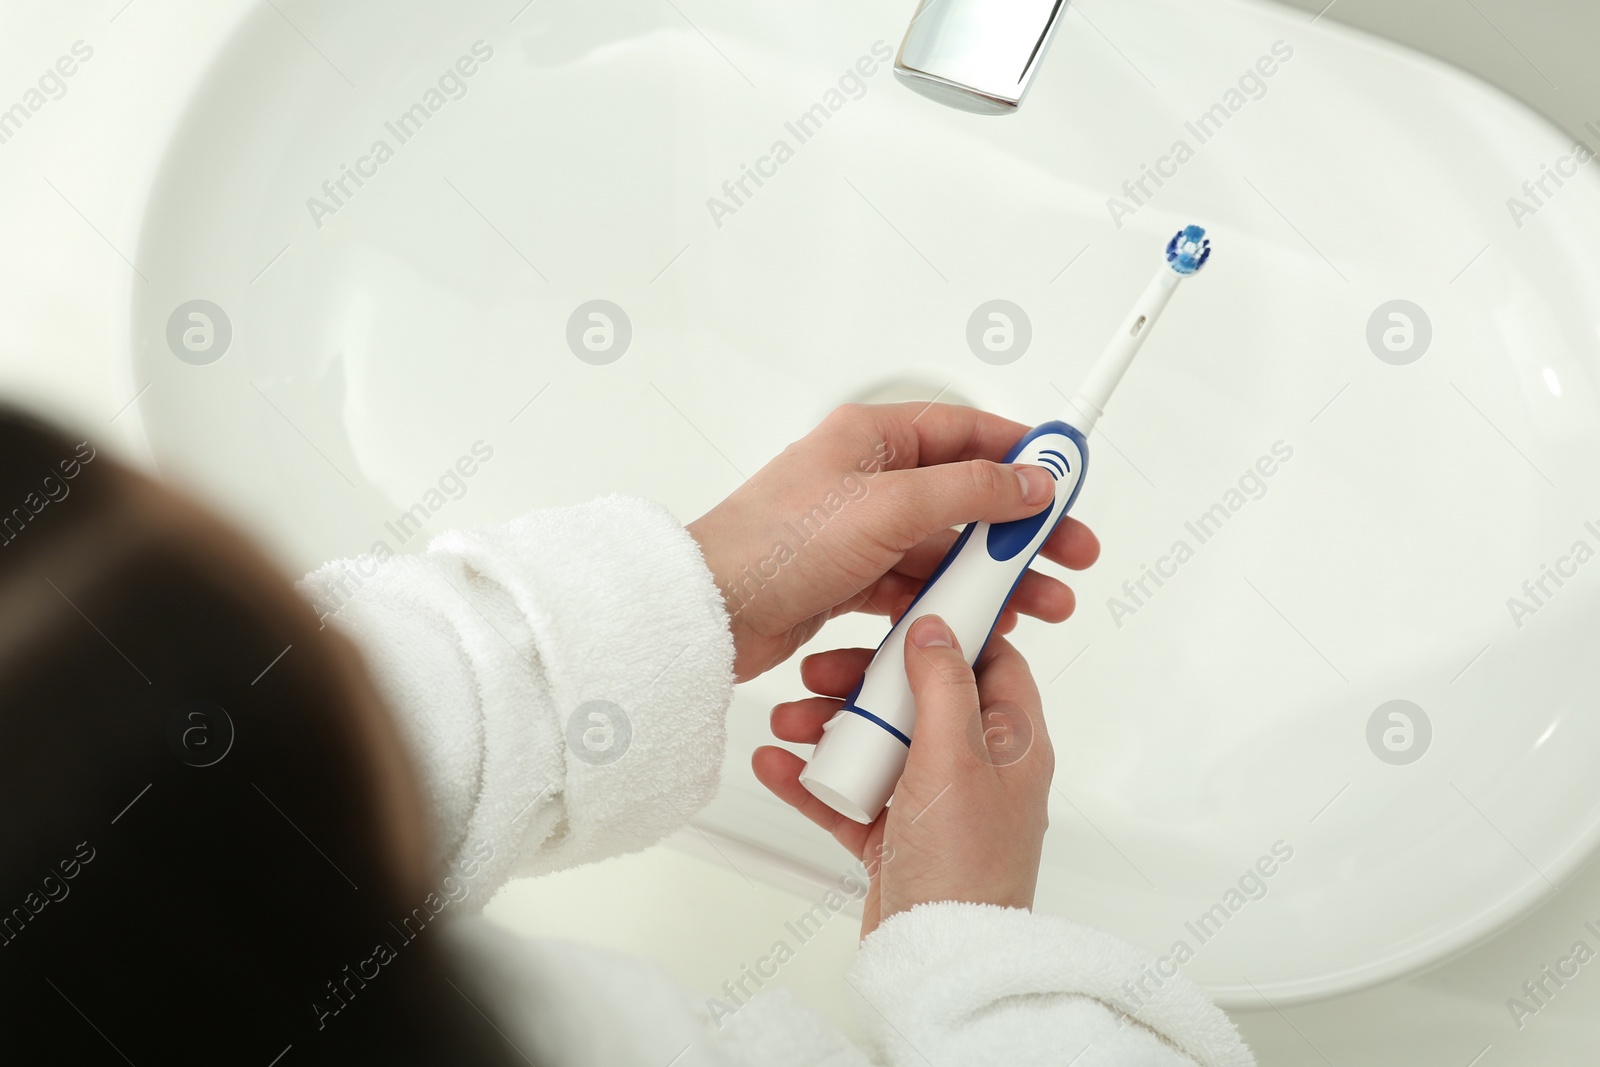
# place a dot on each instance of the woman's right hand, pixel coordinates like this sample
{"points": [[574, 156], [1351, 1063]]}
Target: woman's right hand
{"points": [[968, 817]]}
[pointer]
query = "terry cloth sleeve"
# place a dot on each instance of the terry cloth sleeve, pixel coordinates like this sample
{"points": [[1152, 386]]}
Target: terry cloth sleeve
{"points": [[980, 984], [561, 679]]}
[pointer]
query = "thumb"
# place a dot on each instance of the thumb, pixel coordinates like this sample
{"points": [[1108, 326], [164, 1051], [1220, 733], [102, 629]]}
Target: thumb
{"points": [[954, 494], [945, 691]]}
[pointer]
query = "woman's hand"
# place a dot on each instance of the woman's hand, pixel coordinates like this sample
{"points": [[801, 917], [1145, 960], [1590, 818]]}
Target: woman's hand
{"points": [[968, 817], [856, 514]]}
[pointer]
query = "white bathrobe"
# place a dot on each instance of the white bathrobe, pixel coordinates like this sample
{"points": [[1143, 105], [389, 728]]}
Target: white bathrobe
{"points": [[485, 646]]}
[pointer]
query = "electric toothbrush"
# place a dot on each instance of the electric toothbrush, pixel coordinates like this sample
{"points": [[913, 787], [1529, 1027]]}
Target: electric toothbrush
{"points": [[864, 746]]}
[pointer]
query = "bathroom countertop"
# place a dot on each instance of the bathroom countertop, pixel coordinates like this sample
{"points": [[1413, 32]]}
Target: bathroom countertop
{"points": [[69, 183]]}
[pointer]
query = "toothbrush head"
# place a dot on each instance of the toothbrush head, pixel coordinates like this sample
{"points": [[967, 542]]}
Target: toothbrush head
{"points": [[1188, 250]]}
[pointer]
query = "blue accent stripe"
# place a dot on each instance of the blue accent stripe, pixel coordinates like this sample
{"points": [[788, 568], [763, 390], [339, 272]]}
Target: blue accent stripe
{"points": [[873, 718]]}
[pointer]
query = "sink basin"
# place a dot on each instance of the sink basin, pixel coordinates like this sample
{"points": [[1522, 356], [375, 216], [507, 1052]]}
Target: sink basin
{"points": [[1311, 725]]}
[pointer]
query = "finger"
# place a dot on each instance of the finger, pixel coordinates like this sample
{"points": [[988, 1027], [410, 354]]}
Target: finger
{"points": [[1003, 674], [1006, 687], [1043, 597], [1039, 595], [800, 722], [1071, 544], [835, 672], [945, 691], [917, 503], [779, 770]]}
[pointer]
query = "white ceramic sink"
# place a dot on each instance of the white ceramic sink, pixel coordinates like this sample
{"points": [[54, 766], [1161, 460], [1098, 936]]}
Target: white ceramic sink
{"points": [[1229, 714]]}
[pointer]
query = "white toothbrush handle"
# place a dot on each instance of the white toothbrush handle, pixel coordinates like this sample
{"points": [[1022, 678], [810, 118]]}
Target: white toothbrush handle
{"points": [[864, 746]]}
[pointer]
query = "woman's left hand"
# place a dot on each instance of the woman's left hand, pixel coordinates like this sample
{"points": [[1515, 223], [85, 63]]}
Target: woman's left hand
{"points": [[855, 516]]}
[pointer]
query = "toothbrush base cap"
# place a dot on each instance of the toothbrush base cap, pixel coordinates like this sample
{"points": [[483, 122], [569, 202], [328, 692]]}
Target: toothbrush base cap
{"points": [[855, 767]]}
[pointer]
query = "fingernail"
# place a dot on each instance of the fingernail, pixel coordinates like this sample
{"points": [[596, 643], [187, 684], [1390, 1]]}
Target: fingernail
{"points": [[1037, 485], [931, 632]]}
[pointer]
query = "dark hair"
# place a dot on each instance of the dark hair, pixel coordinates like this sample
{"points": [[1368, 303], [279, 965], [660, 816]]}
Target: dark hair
{"points": [[207, 824]]}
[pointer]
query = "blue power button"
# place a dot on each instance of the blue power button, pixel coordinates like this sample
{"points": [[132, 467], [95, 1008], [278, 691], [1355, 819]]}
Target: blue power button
{"points": [[1009, 538]]}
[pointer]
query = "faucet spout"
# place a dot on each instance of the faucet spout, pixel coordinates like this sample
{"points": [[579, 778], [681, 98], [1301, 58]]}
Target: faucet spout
{"points": [[977, 55]]}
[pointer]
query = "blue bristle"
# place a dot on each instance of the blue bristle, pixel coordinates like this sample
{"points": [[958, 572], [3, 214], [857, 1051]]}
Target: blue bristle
{"points": [[1189, 249]]}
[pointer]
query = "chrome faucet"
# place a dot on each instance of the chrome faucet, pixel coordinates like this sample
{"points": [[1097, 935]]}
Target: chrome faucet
{"points": [[977, 55]]}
